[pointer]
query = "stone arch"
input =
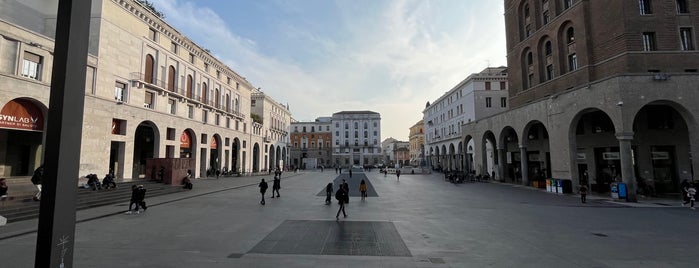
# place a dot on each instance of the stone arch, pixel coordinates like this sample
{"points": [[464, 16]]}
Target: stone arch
{"points": [[23, 130], [535, 139], [594, 149], [235, 155], [146, 144], [256, 157], [512, 168], [488, 152], [215, 152]]}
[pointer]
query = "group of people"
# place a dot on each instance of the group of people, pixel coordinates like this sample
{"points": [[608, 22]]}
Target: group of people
{"points": [[108, 181], [276, 185], [138, 198], [342, 195]]}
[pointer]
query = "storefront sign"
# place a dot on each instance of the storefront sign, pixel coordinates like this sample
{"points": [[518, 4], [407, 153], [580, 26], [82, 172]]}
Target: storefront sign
{"points": [[660, 155], [214, 145], [21, 114], [185, 140], [610, 156]]}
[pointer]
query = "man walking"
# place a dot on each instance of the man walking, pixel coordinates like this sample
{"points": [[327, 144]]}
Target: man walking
{"points": [[342, 198], [36, 180], [276, 185], [263, 190]]}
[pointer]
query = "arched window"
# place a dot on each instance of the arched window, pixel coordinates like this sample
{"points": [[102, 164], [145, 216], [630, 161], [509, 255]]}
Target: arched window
{"points": [[530, 58], [171, 78], [570, 35], [148, 73], [548, 49], [204, 92], [526, 10], [189, 86]]}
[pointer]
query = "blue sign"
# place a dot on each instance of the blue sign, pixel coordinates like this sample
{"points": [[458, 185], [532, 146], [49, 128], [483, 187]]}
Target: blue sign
{"points": [[622, 190]]}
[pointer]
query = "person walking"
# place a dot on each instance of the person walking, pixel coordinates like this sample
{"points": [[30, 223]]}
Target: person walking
{"points": [[691, 193], [342, 198], [3, 189], [345, 186], [141, 198], [398, 174], [134, 199], [263, 190], [350, 172], [276, 185], [36, 180], [328, 193], [583, 193], [385, 172], [362, 189], [684, 186]]}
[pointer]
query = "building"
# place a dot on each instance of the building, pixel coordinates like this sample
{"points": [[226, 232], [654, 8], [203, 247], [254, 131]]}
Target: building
{"points": [[388, 157], [600, 91], [478, 96], [311, 144], [276, 119], [150, 92], [356, 136], [390, 153], [417, 144], [402, 155]]}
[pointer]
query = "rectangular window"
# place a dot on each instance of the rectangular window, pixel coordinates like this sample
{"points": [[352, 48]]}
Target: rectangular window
{"points": [[549, 72], [686, 39], [488, 102], [170, 134], [204, 115], [487, 85], [173, 47], [217, 119], [31, 65], [171, 106], [547, 17], [649, 41], [190, 111], [191, 58], [503, 102], [120, 92], [149, 100], [503, 85], [682, 7], [567, 3], [572, 62], [206, 67], [228, 122], [237, 125], [645, 7], [152, 34]]}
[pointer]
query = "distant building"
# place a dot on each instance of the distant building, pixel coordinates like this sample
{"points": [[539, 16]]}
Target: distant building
{"points": [[276, 119], [478, 96], [417, 144], [390, 147], [311, 144], [356, 136]]}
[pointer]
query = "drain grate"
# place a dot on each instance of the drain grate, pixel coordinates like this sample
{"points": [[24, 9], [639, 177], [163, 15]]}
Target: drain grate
{"points": [[235, 256], [437, 260], [600, 234]]}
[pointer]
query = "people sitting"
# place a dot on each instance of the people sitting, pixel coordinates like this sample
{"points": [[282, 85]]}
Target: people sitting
{"points": [[187, 183], [108, 181], [3, 189], [93, 181]]}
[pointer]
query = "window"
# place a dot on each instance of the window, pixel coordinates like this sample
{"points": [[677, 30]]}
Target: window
{"points": [[148, 102], [356, 134], [206, 67], [346, 134], [645, 7], [686, 39], [190, 111], [366, 125], [31, 66], [503, 102], [217, 119], [567, 3], [546, 17], [530, 58], [346, 125], [572, 62], [304, 129], [570, 35], [337, 133], [218, 74], [171, 78], [682, 7], [171, 106], [487, 85], [503, 86], [366, 134], [375, 133], [173, 47], [488, 102], [549, 72], [547, 48], [204, 115], [648, 41], [191, 58], [356, 125], [120, 92], [152, 34]]}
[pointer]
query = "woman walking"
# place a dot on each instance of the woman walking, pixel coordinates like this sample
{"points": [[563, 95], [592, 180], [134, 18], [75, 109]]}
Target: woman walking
{"points": [[362, 189], [263, 190]]}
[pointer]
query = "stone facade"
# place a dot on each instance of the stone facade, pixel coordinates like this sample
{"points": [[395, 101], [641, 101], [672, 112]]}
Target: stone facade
{"points": [[417, 144], [356, 136], [311, 142]]}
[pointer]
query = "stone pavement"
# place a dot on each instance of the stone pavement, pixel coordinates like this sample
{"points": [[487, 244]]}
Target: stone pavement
{"points": [[419, 221]]}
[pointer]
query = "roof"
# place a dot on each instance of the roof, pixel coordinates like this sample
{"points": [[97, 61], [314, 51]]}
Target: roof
{"points": [[356, 112]]}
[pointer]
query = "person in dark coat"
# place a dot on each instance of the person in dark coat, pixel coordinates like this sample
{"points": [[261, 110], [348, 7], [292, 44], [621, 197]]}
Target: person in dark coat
{"points": [[187, 181], [276, 185], [141, 198], [684, 186], [36, 180], [263, 189], [134, 199], [350, 172], [328, 193], [342, 198], [345, 186]]}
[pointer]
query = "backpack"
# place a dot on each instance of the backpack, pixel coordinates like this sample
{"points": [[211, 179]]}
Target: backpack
{"points": [[338, 195]]}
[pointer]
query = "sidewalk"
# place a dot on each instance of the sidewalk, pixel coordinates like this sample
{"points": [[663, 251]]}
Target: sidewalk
{"points": [[202, 186]]}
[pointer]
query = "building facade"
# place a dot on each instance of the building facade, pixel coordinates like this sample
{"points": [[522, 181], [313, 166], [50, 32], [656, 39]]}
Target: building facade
{"points": [[311, 144], [390, 147], [478, 96], [150, 93], [417, 144], [276, 119], [356, 136], [601, 91]]}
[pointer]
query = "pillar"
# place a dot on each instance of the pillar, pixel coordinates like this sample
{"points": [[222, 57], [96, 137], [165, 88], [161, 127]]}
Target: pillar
{"points": [[627, 172], [501, 164], [525, 164]]}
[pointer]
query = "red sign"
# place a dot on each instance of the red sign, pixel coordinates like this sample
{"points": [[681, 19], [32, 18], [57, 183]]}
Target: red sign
{"points": [[185, 140], [21, 114], [214, 145]]}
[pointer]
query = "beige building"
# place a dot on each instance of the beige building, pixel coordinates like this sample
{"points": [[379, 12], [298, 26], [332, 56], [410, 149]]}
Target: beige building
{"points": [[150, 93], [417, 144], [276, 119]]}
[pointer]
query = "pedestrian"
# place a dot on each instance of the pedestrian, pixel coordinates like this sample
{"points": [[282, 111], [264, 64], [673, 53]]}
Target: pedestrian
{"points": [[362, 189], [134, 199], [583, 193], [263, 190], [350, 172], [328, 193], [187, 180], [342, 198], [141, 198], [345, 186], [398, 174], [692, 192], [335, 170], [340, 170], [385, 172], [684, 186], [36, 180], [276, 185], [3, 189]]}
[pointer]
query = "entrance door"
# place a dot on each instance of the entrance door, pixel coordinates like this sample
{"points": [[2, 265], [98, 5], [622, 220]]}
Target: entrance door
{"points": [[116, 158], [608, 166], [664, 175]]}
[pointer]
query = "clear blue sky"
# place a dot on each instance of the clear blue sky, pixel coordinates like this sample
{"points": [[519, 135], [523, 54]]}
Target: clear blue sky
{"points": [[324, 56]]}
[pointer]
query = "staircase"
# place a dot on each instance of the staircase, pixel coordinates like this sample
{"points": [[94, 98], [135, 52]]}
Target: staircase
{"points": [[22, 207]]}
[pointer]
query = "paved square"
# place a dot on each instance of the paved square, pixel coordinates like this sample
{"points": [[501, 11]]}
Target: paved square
{"points": [[308, 237]]}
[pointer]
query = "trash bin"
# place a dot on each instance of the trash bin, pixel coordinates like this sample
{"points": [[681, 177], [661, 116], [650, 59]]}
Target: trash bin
{"points": [[549, 184], [621, 189], [567, 186], [614, 187], [559, 186]]}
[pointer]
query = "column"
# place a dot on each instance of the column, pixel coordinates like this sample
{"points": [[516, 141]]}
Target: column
{"points": [[501, 164], [627, 173], [525, 164]]}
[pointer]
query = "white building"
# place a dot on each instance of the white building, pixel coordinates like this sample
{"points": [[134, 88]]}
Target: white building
{"points": [[276, 119], [356, 136], [478, 96]]}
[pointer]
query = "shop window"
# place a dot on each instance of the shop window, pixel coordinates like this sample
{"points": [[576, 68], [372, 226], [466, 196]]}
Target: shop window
{"points": [[172, 106]]}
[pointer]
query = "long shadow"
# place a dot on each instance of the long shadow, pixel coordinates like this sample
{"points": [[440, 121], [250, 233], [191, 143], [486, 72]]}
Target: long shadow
{"points": [[357, 177]]}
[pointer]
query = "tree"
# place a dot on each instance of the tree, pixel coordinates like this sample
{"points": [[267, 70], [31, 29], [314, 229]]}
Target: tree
{"points": [[256, 118], [151, 7]]}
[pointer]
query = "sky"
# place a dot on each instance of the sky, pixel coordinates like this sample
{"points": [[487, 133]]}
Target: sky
{"points": [[327, 56]]}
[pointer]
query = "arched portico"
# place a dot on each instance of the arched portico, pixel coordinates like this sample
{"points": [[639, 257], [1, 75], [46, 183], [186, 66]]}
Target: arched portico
{"points": [[146, 145]]}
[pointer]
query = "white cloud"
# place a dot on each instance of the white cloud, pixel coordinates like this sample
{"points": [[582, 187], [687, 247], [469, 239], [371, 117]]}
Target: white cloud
{"points": [[391, 63]]}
